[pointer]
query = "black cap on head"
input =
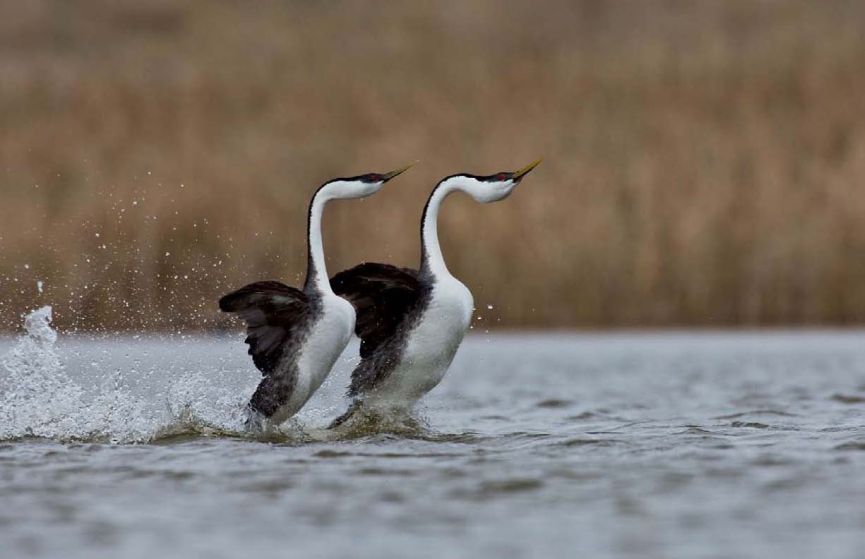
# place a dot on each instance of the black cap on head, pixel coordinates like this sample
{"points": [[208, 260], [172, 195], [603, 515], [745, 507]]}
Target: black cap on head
{"points": [[515, 176], [383, 177]]}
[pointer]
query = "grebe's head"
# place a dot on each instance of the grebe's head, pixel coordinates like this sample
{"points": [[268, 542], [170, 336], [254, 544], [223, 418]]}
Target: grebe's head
{"points": [[362, 185], [492, 188]]}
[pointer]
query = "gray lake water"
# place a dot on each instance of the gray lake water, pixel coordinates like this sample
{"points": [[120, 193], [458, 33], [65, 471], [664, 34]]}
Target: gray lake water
{"points": [[665, 445]]}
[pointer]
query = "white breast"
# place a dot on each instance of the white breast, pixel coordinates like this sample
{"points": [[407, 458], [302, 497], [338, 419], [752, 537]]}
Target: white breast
{"points": [[433, 343], [328, 338]]}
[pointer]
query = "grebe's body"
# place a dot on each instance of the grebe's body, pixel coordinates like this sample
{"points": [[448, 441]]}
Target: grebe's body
{"points": [[295, 336], [411, 322], [433, 342]]}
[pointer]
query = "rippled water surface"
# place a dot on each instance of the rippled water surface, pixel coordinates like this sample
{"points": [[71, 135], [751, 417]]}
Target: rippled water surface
{"points": [[620, 445]]}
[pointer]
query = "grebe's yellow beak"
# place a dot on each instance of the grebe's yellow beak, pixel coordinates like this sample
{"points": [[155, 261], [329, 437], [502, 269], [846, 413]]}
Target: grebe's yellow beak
{"points": [[387, 176], [518, 175]]}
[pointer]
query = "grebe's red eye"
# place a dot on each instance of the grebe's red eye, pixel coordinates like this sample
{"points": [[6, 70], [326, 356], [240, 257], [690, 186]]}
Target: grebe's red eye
{"points": [[501, 176]]}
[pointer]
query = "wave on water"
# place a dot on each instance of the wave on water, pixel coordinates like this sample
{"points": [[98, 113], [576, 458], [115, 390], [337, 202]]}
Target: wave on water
{"points": [[120, 404], [39, 399]]}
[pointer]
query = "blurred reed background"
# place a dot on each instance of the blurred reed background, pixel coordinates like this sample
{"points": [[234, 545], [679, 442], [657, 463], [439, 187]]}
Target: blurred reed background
{"points": [[704, 162]]}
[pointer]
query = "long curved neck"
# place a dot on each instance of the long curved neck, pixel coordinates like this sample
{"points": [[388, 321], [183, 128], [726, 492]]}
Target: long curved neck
{"points": [[316, 270], [432, 261]]}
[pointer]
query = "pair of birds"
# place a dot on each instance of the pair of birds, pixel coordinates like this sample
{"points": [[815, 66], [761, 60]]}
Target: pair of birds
{"points": [[410, 322]]}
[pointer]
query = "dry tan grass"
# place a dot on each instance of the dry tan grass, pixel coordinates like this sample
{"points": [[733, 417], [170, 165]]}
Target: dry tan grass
{"points": [[704, 161]]}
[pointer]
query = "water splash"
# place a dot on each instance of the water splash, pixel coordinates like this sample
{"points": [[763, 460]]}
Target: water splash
{"points": [[38, 398], [142, 392]]}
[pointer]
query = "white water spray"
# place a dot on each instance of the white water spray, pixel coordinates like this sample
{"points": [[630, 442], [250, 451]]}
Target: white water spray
{"points": [[39, 398]]}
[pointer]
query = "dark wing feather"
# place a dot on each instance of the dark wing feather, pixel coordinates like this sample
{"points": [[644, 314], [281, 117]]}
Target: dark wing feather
{"points": [[382, 295], [275, 315]]}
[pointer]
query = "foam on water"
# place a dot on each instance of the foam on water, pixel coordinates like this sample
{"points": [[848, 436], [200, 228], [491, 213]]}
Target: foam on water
{"points": [[68, 390], [39, 399]]}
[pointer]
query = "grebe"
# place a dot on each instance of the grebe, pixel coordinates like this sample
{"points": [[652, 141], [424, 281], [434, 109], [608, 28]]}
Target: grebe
{"points": [[411, 322], [295, 336]]}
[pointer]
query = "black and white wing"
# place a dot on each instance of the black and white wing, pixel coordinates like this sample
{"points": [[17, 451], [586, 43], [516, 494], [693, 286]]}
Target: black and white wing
{"points": [[382, 296], [276, 317], [385, 299]]}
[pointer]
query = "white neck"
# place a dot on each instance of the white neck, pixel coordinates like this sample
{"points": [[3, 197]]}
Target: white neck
{"points": [[431, 253], [316, 270]]}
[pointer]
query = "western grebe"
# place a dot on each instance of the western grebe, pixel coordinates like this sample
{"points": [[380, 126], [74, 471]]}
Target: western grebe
{"points": [[294, 335], [411, 322]]}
